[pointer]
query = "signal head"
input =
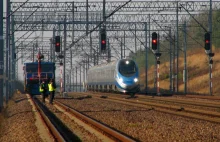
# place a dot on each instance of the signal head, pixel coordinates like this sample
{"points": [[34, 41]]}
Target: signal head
{"points": [[207, 41], [103, 39], [57, 43], [154, 41]]}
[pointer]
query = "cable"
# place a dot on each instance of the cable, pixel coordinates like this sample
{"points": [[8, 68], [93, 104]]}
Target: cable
{"points": [[84, 35], [25, 20], [17, 9]]}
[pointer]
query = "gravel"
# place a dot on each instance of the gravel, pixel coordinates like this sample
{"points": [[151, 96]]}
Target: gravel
{"points": [[147, 125], [17, 122]]}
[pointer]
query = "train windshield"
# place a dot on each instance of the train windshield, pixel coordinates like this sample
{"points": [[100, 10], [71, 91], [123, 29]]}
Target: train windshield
{"points": [[44, 68], [127, 67]]}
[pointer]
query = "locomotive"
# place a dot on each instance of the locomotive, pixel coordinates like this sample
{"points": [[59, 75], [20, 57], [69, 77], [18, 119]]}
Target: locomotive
{"points": [[117, 76], [33, 77]]}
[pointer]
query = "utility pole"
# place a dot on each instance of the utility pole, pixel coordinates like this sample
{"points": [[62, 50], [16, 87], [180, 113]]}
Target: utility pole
{"points": [[64, 61], [7, 50], [1, 55], [177, 47], [210, 54], [146, 58], [185, 60]]}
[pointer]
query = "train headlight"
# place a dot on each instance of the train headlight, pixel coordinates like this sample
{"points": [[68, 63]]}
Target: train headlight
{"points": [[121, 83], [135, 80], [120, 80]]}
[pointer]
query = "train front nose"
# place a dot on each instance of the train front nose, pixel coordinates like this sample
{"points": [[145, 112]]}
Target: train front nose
{"points": [[130, 84]]}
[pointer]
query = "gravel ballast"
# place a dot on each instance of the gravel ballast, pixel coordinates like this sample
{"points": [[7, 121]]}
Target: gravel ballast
{"points": [[146, 124], [18, 121]]}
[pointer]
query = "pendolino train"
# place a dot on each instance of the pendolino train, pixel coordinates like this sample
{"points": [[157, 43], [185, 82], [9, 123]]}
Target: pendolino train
{"points": [[118, 76], [34, 74]]}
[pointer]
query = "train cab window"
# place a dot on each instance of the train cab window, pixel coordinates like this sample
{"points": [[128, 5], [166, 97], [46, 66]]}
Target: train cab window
{"points": [[47, 68], [44, 68], [127, 67], [31, 68]]}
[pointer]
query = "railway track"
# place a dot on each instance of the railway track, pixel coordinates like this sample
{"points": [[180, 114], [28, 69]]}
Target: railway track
{"points": [[204, 97], [181, 101], [171, 108], [57, 129], [103, 129], [61, 133], [168, 100]]}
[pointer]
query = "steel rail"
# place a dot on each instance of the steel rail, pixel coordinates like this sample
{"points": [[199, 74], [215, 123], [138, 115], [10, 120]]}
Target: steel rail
{"points": [[171, 109], [57, 136], [182, 101], [203, 97], [186, 112], [105, 129], [188, 102]]}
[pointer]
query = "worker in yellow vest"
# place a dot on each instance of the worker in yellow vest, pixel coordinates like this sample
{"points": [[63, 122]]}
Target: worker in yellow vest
{"points": [[43, 90], [52, 89]]}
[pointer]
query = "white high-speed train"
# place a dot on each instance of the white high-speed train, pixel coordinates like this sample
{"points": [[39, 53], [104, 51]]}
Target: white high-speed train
{"points": [[118, 76]]}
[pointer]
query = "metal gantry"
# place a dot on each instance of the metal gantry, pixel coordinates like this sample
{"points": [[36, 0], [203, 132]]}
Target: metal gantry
{"points": [[128, 31]]}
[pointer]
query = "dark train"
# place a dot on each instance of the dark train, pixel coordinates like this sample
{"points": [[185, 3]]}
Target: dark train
{"points": [[34, 74], [117, 76]]}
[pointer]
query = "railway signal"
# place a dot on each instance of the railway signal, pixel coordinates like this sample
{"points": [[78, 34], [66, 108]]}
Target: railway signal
{"points": [[207, 41], [154, 41], [57, 43], [210, 55], [103, 39]]}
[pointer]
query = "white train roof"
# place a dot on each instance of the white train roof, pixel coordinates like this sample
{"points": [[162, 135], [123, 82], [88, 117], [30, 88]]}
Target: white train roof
{"points": [[106, 65]]}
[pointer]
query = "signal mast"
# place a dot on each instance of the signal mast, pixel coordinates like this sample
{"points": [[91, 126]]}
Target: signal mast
{"points": [[39, 57]]}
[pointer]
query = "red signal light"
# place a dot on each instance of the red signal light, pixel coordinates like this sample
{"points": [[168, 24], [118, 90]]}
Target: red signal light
{"points": [[58, 44], [206, 41], [103, 41], [154, 41]]}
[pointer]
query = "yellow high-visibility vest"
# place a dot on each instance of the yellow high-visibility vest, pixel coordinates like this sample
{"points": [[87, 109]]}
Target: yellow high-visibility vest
{"points": [[41, 90], [50, 87]]}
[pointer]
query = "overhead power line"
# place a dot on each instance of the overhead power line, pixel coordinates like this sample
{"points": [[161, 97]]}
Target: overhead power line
{"points": [[84, 35]]}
